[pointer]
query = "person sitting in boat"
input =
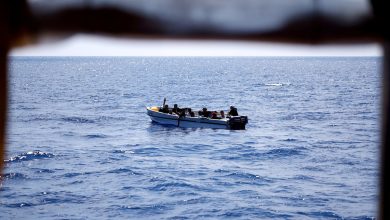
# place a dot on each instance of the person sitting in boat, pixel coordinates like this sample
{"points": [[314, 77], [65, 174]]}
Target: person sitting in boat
{"points": [[176, 110], [205, 113], [165, 109], [214, 115], [233, 111], [190, 112], [182, 113], [222, 114]]}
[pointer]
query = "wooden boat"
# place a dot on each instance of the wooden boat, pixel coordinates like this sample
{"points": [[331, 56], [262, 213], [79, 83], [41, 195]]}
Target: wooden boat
{"points": [[197, 121]]}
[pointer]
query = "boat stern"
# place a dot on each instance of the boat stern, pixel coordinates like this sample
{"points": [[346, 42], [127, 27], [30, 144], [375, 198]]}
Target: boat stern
{"points": [[238, 122]]}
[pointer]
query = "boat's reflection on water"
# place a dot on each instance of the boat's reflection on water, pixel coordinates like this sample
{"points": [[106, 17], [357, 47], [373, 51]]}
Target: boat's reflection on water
{"points": [[169, 129], [155, 127]]}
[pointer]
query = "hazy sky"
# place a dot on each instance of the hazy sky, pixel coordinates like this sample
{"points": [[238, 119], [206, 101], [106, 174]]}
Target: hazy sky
{"points": [[91, 45]]}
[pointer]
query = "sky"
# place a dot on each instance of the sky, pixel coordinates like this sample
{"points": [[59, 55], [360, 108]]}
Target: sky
{"points": [[97, 45]]}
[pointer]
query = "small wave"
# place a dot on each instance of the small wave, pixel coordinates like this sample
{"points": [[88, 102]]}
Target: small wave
{"points": [[311, 116], [31, 155], [44, 171], [93, 136], [199, 200], [338, 142], [242, 176], [251, 155], [19, 205], [194, 147], [254, 213], [122, 152], [282, 152], [271, 154], [124, 170], [303, 177], [13, 176], [323, 214], [273, 84], [129, 95], [151, 151], [183, 193], [361, 218], [153, 209], [246, 192], [172, 185], [118, 151], [290, 140], [35, 118], [313, 168], [109, 118], [62, 197], [22, 107], [70, 175], [221, 171], [250, 142], [68, 134], [78, 120], [348, 162], [76, 182]]}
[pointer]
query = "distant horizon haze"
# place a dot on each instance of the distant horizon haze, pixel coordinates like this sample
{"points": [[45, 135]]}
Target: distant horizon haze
{"points": [[93, 45]]}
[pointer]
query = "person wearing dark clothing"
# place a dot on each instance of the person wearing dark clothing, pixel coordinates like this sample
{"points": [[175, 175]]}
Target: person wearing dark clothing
{"points": [[182, 113], [222, 114], [233, 111], [165, 109], [175, 109], [191, 113], [205, 113]]}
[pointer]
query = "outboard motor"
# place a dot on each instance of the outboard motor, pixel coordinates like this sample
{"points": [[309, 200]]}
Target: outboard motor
{"points": [[238, 122]]}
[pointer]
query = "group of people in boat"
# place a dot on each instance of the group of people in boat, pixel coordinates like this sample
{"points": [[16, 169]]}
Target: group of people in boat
{"points": [[182, 112]]}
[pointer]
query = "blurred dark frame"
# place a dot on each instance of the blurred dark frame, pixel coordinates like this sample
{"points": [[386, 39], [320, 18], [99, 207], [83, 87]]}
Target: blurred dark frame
{"points": [[19, 26]]}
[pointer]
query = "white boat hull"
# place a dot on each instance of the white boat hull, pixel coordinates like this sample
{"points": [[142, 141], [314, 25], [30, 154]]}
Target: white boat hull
{"points": [[186, 122]]}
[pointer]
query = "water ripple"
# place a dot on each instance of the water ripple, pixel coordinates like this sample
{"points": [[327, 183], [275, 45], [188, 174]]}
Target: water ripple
{"points": [[19, 205], [31, 155], [307, 116], [44, 171], [322, 214], [94, 136], [124, 170], [174, 186], [248, 178], [145, 210], [78, 120], [255, 154], [283, 152], [254, 212], [13, 176]]}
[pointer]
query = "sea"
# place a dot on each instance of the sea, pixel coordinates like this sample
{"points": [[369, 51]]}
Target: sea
{"points": [[80, 145]]}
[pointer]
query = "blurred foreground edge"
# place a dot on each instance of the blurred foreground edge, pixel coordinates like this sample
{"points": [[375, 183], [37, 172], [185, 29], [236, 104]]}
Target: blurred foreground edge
{"points": [[18, 26]]}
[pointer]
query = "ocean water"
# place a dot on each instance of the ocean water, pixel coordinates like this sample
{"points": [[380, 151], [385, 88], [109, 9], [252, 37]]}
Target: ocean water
{"points": [[80, 145]]}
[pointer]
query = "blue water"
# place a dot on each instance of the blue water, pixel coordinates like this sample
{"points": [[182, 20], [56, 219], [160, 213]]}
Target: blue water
{"points": [[81, 146]]}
